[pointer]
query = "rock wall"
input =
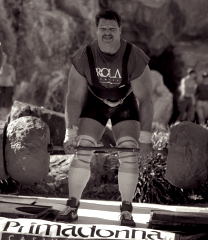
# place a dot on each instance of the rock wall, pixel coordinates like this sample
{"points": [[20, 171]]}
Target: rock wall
{"points": [[41, 36]]}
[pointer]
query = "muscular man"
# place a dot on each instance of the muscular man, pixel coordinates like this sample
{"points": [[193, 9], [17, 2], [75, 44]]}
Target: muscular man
{"points": [[106, 78]]}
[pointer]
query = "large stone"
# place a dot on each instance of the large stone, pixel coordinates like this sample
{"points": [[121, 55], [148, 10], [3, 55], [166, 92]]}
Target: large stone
{"points": [[26, 150], [187, 161], [54, 120]]}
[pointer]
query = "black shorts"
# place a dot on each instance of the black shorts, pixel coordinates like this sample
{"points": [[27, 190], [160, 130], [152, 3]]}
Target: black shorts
{"points": [[96, 109]]}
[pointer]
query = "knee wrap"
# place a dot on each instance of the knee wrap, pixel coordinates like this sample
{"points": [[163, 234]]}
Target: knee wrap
{"points": [[83, 158], [128, 160]]}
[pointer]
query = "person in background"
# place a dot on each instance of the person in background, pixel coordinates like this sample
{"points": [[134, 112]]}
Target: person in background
{"points": [[7, 80], [106, 79], [187, 98], [1, 57], [202, 99]]}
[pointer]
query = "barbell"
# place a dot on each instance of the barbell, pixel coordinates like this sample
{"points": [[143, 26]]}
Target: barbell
{"points": [[99, 150], [25, 150]]}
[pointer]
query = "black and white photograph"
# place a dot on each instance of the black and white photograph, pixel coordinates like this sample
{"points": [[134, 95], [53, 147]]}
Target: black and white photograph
{"points": [[104, 119]]}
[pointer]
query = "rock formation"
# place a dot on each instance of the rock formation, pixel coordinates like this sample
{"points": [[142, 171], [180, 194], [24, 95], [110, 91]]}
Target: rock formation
{"points": [[41, 36]]}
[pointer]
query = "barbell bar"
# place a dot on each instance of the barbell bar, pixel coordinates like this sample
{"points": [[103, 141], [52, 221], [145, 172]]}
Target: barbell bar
{"points": [[97, 150]]}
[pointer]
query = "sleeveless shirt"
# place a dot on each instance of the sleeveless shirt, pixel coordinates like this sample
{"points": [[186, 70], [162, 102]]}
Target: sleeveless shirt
{"points": [[109, 67]]}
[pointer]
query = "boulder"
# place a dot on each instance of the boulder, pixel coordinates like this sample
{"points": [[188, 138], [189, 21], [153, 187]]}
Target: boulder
{"points": [[187, 161], [53, 119], [26, 150]]}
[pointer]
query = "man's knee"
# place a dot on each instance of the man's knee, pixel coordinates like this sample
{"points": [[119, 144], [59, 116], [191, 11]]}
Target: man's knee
{"points": [[83, 158], [128, 160]]}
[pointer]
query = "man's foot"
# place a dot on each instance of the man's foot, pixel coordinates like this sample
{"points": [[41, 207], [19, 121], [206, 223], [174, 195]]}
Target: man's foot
{"points": [[126, 214], [69, 214]]}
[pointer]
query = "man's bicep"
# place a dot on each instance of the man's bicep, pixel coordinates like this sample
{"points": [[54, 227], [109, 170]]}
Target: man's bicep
{"points": [[77, 84], [142, 86]]}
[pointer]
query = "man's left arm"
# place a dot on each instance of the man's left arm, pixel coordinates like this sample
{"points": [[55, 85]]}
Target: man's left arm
{"points": [[142, 89]]}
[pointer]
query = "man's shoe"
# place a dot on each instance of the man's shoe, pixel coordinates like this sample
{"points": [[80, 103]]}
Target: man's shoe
{"points": [[69, 214], [126, 214]]}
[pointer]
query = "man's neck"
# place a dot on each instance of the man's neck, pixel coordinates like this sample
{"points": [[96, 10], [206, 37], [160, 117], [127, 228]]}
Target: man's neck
{"points": [[109, 48]]}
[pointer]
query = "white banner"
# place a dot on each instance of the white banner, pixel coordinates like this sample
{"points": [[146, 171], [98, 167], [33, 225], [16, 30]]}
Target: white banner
{"points": [[35, 229]]}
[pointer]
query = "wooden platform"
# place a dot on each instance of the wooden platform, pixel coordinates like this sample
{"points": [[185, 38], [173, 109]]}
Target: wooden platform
{"points": [[103, 212], [93, 212]]}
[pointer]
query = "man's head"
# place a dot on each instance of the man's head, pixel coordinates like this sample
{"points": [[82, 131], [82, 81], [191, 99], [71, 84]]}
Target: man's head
{"points": [[190, 71], [205, 76], [192, 74], [108, 24]]}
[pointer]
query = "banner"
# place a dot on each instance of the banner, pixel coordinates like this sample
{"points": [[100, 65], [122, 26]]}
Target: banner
{"points": [[35, 229]]}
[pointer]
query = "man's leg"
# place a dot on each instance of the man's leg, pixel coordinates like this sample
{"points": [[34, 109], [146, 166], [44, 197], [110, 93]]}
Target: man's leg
{"points": [[182, 107], [90, 131], [200, 112], [191, 111], [126, 134]]}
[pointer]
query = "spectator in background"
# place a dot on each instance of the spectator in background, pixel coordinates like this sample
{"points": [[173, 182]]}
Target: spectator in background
{"points": [[187, 98], [202, 99], [7, 80], [1, 57]]}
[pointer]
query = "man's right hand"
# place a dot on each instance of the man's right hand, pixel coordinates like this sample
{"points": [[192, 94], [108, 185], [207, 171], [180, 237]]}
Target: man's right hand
{"points": [[70, 140]]}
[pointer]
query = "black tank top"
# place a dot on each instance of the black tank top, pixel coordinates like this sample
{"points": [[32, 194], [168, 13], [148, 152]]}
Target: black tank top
{"points": [[111, 94]]}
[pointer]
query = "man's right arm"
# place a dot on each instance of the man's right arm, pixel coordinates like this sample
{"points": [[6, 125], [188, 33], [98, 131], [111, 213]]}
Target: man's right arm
{"points": [[75, 97], [182, 87]]}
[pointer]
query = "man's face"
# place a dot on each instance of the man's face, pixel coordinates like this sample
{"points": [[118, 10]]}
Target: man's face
{"points": [[193, 76], [108, 32]]}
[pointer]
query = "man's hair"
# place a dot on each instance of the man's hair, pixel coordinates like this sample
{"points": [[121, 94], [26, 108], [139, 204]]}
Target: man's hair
{"points": [[205, 74], [190, 71], [108, 14]]}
